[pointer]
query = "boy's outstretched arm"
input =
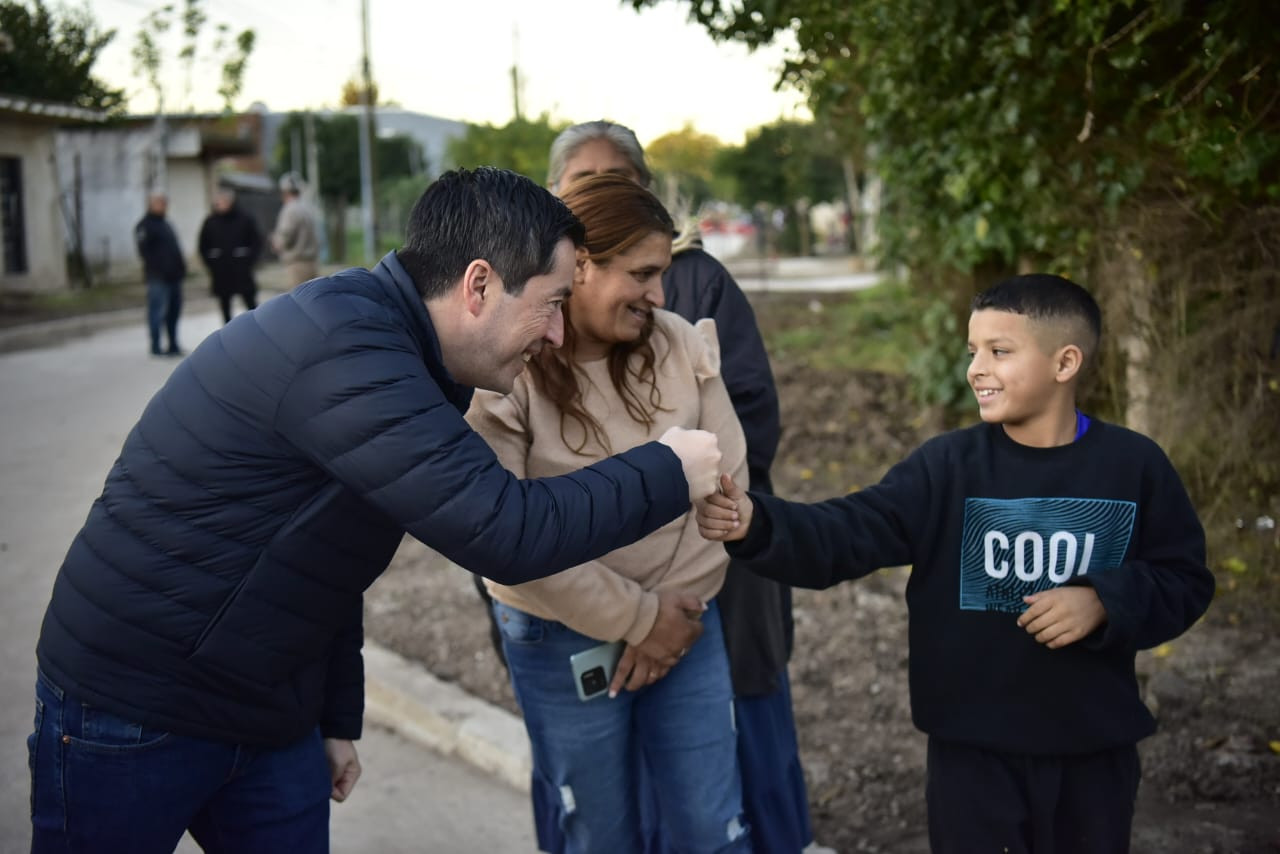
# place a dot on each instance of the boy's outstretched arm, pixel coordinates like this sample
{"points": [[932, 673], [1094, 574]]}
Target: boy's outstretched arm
{"points": [[818, 545]]}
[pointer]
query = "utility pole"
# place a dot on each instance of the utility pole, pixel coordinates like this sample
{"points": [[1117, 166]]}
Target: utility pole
{"points": [[515, 70], [313, 180], [295, 152], [366, 140]]}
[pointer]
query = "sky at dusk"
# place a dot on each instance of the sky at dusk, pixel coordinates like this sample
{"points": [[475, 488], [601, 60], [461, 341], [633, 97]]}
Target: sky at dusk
{"points": [[579, 60]]}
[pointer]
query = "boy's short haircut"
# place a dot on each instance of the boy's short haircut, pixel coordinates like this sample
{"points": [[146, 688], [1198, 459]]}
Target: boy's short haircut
{"points": [[1046, 298]]}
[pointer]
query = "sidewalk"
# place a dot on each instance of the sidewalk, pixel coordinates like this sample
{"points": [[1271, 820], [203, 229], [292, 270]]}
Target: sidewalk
{"points": [[195, 299], [824, 273]]}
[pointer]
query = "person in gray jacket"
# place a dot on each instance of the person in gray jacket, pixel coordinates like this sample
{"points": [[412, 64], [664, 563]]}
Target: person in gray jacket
{"points": [[199, 662], [296, 238]]}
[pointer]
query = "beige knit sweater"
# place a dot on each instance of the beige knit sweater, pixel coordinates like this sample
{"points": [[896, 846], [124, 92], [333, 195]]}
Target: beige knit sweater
{"points": [[615, 597]]}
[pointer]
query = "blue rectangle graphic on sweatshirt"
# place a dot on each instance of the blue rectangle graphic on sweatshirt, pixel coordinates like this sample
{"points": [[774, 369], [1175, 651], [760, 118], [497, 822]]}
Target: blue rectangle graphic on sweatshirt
{"points": [[1012, 548]]}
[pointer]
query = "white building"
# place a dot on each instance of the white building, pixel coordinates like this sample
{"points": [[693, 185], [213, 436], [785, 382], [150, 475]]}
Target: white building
{"points": [[33, 220], [111, 169]]}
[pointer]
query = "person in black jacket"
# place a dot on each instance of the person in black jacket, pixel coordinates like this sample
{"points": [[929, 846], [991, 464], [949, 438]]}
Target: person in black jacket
{"points": [[1046, 549], [230, 244], [199, 662], [164, 268]]}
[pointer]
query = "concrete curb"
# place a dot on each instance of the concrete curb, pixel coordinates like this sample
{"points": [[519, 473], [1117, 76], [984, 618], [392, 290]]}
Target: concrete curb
{"points": [[404, 697], [47, 333]]}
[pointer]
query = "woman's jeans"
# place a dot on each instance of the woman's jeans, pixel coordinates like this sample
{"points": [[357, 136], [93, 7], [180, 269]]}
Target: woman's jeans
{"points": [[587, 754], [102, 783]]}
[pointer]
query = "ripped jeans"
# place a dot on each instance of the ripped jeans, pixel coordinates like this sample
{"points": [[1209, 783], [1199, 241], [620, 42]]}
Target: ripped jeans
{"points": [[586, 754]]}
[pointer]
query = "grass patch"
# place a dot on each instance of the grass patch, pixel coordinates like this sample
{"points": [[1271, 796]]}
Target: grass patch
{"points": [[23, 307], [871, 330], [388, 239]]}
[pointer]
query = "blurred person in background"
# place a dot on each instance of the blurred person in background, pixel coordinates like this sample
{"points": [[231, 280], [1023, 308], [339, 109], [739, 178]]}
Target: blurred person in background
{"points": [[628, 371], [164, 268], [296, 238], [230, 245]]}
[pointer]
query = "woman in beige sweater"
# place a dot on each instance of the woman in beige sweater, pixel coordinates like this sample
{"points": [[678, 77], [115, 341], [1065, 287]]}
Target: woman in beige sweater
{"points": [[628, 370]]}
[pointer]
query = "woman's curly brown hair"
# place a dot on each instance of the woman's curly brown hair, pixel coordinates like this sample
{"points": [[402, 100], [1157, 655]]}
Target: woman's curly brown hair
{"points": [[618, 214]]}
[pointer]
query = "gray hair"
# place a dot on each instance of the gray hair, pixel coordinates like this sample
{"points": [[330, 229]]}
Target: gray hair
{"points": [[291, 182], [575, 136]]}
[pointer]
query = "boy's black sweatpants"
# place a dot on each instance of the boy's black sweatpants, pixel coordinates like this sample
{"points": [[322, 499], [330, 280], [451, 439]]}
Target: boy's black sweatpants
{"points": [[986, 801]]}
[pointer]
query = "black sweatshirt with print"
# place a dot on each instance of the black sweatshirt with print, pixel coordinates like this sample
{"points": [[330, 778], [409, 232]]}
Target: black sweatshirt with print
{"points": [[984, 521]]}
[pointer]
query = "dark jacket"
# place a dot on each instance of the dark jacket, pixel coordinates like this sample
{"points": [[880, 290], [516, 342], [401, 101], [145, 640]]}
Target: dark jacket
{"points": [[215, 588], [230, 244], [755, 611], [697, 286], [158, 246]]}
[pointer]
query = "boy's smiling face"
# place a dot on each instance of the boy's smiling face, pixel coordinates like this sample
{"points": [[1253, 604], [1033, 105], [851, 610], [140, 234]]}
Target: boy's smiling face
{"points": [[1019, 377]]}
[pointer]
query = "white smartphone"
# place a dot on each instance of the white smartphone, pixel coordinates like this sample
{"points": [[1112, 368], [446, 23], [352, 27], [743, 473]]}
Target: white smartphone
{"points": [[593, 668]]}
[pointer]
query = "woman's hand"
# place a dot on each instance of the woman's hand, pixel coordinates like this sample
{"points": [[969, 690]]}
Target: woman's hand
{"points": [[635, 671], [677, 626]]}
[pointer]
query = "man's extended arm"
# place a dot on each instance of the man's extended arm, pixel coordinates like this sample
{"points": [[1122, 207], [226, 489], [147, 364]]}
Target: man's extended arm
{"points": [[380, 425]]}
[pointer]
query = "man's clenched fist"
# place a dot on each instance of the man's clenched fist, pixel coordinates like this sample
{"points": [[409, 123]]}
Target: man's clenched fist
{"points": [[699, 454]]}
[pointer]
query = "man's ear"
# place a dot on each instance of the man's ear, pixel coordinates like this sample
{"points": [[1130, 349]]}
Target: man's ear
{"points": [[579, 266], [1070, 360], [479, 282]]}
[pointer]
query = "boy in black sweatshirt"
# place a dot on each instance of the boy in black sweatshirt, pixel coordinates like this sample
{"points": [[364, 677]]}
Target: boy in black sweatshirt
{"points": [[1046, 550]]}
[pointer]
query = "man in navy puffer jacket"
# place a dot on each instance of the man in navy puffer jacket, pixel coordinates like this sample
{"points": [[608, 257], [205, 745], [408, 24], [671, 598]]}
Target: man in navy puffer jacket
{"points": [[199, 662]]}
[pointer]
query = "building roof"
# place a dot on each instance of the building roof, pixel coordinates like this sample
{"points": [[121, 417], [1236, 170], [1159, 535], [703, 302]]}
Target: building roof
{"points": [[47, 111]]}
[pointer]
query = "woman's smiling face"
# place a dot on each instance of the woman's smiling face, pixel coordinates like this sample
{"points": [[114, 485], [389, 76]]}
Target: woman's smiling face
{"points": [[614, 300]]}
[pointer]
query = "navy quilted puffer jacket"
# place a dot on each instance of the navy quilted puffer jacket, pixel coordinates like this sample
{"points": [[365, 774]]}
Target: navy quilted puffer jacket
{"points": [[215, 588]]}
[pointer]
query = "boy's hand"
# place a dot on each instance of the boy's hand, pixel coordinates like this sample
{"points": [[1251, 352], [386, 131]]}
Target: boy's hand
{"points": [[724, 515], [1062, 615]]}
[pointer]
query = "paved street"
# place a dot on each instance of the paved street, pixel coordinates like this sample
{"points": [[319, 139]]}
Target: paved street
{"points": [[64, 412]]}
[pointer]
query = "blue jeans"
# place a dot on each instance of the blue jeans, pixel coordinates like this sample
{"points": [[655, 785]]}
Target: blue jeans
{"points": [[164, 304], [100, 782], [587, 755]]}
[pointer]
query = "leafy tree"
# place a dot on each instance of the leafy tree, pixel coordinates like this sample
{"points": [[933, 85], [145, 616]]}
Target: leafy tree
{"points": [[149, 52], [234, 64], [338, 154], [683, 163], [789, 165], [50, 56], [353, 92], [521, 146], [1019, 128]]}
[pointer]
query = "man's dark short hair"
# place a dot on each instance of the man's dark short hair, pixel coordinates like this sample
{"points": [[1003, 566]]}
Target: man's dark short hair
{"points": [[487, 213], [1044, 297]]}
